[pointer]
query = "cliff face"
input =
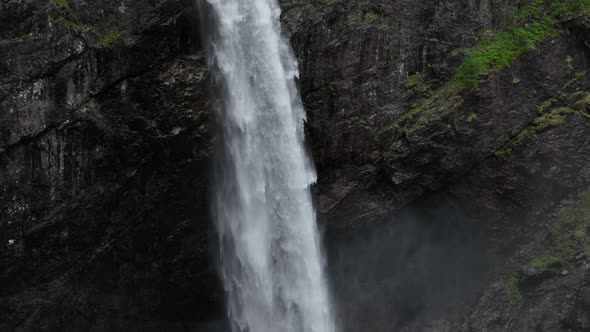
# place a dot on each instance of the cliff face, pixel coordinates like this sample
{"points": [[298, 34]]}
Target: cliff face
{"points": [[451, 138], [475, 111], [104, 153]]}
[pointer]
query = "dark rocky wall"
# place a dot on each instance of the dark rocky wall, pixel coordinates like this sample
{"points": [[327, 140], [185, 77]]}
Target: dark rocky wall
{"points": [[432, 217], [104, 156], [482, 172]]}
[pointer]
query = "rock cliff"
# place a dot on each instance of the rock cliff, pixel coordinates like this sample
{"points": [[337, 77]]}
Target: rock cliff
{"points": [[451, 139]]}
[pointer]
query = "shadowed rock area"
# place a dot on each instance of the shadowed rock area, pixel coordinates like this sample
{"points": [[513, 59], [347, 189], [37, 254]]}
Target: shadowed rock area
{"points": [[451, 139]]}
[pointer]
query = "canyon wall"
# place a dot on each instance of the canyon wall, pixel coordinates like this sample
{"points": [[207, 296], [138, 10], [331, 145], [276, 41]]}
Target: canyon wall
{"points": [[451, 139]]}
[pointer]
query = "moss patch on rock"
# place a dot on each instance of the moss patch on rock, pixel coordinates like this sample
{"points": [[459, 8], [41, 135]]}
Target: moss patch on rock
{"points": [[371, 17], [495, 51], [495, 54], [569, 236], [512, 289], [551, 115], [533, 23], [110, 36], [73, 24], [551, 119], [583, 103], [65, 4]]}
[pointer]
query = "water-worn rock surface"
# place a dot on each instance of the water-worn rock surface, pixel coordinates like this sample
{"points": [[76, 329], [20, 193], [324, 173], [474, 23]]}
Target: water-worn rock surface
{"points": [[105, 141]]}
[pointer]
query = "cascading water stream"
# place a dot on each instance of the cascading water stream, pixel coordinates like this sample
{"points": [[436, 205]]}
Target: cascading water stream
{"points": [[271, 259]]}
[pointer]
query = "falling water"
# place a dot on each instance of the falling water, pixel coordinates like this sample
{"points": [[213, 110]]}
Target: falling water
{"points": [[270, 252]]}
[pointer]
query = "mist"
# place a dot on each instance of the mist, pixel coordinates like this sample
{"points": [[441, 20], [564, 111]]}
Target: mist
{"points": [[421, 265]]}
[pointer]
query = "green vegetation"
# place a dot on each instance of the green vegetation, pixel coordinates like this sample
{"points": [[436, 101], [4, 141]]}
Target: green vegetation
{"points": [[493, 55], [371, 17], [65, 4], [110, 37], [427, 109], [472, 117], [512, 289], [583, 103], [416, 82], [570, 8], [542, 109], [569, 61], [533, 23], [531, 10], [568, 236], [495, 51], [352, 18], [24, 36], [545, 260], [410, 114], [552, 116], [413, 80], [73, 24], [551, 119]]}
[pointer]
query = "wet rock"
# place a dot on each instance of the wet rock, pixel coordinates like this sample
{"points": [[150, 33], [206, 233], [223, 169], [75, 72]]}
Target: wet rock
{"points": [[104, 168], [105, 145]]}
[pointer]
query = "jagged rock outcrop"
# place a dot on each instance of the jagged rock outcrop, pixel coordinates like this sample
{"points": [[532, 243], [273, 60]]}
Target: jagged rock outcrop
{"points": [[447, 168]]}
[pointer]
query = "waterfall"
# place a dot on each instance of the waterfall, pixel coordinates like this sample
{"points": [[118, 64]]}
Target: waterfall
{"points": [[271, 258]]}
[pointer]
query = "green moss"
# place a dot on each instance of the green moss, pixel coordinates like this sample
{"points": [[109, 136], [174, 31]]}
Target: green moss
{"points": [[65, 4], [110, 37], [73, 24], [425, 103], [569, 61], [571, 8], [534, 22], [24, 36], [568, 235], [496, 54], [82, 107], [495, 51], [352, 18], [421, 112], [532, 9], [512, 289], [416, 82], [515, 80], [371, 17], [551, 119], [545, 261], [584, 102], [472, 117], [542, 109], [413, 80]]}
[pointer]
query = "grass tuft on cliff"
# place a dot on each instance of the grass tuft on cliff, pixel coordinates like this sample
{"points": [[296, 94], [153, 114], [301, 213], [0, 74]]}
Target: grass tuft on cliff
{"points": [[533, 23], [530, 25], [110, 36], [496, 54]]}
